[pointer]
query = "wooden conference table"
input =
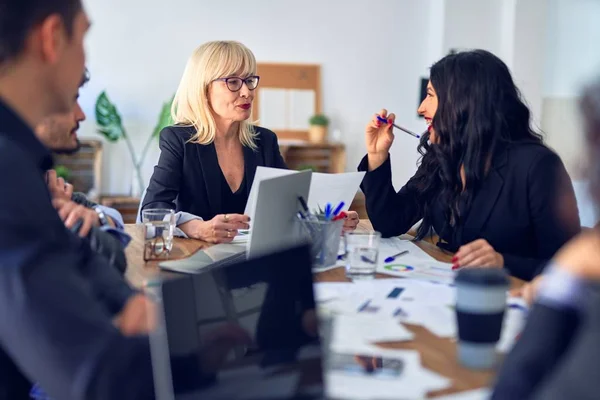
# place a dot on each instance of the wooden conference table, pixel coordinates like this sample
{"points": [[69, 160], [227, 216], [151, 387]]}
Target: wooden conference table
{"points": [[437, 354]]}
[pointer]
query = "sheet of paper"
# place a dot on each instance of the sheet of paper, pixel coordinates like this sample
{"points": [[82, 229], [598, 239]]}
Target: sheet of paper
{"points": [[273, 112], [326, 291], [302, 106], [355, 330], [333, 188], [441, 321], [261, 174], [414, 266], [388, 247], [397, 372]]}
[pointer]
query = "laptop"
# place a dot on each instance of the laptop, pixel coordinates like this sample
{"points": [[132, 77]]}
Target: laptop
{"points": [[274, 226], [252, 325]]}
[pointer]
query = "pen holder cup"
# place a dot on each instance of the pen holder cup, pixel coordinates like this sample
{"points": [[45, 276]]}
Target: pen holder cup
{"points": [[324, 238]]}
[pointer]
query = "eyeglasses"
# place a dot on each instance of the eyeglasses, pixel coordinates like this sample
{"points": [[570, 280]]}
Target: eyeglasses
{"points": [[234, 83]]}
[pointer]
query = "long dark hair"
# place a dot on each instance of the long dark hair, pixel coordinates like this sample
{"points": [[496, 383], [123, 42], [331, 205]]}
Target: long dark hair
{"points": [[479, 110]]}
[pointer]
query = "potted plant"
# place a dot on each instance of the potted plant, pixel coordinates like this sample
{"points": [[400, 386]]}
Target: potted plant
{"points": [[111, 127], [318, 128]]}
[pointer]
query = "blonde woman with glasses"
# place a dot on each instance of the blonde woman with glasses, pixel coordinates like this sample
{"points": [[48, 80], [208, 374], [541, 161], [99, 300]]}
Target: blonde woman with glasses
{"points": [[209, 157]]}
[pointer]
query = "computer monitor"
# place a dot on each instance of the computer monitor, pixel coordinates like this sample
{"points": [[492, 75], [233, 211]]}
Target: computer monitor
{"points": [[251, 326]]}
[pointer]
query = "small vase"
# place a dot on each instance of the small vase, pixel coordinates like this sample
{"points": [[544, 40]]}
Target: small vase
{"points": [[317, 133]]}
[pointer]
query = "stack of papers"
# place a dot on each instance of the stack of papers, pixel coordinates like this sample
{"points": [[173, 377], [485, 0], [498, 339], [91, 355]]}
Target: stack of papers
{"points": [[415, 302]]}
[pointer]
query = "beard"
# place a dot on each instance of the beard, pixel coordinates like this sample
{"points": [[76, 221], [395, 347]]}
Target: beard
{"points": [[67, 151]]}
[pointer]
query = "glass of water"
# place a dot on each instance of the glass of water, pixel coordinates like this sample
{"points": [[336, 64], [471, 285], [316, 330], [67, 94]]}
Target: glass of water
{"points": [[362, 252], [159, 226]]}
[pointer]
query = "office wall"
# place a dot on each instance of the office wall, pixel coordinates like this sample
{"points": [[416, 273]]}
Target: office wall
{"points": [[571, 60], [372, 54]]}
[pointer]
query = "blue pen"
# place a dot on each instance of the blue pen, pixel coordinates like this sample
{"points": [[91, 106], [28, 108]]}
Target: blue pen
{"points": [[385, 121], [338, 208], [327, 211]]}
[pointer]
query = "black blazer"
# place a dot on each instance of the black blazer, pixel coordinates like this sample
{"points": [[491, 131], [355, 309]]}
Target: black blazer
{"points": [[556, 356], [187, 176], [526, 207]]}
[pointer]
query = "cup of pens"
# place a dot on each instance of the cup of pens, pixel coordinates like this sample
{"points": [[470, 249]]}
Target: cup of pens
{"points": [[323, 229]]}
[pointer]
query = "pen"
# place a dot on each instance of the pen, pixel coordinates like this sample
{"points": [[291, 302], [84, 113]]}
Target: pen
{"points": [[392, 258], [385, 121], [341, 215], [303, 204], [327, 211], [338, 208]]}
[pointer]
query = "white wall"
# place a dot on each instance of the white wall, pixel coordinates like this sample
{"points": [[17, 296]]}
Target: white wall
{"points": [[572, 59], [572, 46], [372, 54], [473, 24], [514, 30]]}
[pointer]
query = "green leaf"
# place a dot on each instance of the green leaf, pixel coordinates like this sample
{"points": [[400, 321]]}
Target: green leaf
{"points": [[109, 119], [62, 172], [164, 118]]}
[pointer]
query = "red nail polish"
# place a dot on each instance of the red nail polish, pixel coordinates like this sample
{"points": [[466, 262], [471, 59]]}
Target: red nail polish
{"points": [[455, 267], [454, 259]]}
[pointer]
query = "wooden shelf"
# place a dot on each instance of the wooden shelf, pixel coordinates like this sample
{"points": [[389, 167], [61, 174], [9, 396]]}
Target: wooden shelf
{"points": [[126, 205], [323, 157]]}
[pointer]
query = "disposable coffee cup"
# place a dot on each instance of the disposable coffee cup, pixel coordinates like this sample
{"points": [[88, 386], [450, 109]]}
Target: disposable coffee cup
{"points": [[480, 306]]}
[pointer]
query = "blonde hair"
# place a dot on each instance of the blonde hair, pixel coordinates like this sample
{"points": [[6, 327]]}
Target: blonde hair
{"points": [[208, 62]]}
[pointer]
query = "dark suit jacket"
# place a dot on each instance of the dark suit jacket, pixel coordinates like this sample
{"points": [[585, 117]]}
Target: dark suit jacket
{"points": [[556, 356], [577, 375], [526, 207], [187, 176]]}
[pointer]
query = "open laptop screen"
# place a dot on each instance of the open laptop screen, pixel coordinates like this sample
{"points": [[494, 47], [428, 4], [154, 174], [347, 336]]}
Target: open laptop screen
{"points": [[253, 326]]}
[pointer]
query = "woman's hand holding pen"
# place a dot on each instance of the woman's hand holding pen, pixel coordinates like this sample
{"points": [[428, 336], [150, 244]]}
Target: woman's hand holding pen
{"points": [[379, 139], [223, 228]]}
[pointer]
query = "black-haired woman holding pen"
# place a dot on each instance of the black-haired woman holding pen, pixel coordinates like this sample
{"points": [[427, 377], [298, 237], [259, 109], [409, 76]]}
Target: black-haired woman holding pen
{"points": [[486, 185]]}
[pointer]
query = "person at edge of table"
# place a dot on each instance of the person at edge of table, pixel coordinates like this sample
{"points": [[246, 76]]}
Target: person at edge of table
{"points": [[101, 226], [556, 356], [80, 338], [486, 183], [209, 157]]}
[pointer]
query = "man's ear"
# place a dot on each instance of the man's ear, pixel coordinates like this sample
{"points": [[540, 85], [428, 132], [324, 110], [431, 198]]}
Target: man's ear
{"points": [[52, 37]]}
